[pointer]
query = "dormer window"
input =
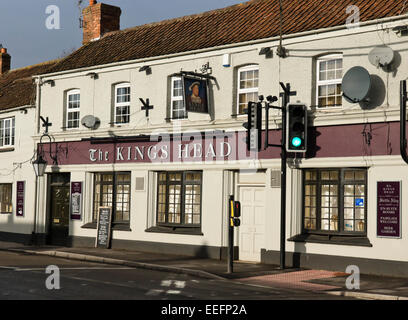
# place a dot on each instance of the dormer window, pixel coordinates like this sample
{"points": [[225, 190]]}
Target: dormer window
{"points": [[73, 109], [122, 103], [7, 132]]}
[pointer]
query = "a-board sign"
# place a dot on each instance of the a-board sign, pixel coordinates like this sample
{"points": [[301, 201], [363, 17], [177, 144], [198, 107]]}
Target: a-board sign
{"points": [[104, 229]]}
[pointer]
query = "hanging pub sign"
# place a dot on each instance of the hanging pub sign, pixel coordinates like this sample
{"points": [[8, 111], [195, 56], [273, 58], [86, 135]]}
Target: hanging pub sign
{"points": [[20, 198], [195, 94], [104, 228], [76, 200], [389, 209]]}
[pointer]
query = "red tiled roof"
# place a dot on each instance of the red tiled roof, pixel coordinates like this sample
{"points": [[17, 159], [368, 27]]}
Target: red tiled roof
{"points": [[256, 19], [17, 87]]}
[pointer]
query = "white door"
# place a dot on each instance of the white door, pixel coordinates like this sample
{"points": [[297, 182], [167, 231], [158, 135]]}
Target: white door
{"points": [[252, 229]]}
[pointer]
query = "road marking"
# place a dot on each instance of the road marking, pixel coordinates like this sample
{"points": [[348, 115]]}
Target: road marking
{"points": [[7, 268], [173, 292], [154, 292], [69, 268]]}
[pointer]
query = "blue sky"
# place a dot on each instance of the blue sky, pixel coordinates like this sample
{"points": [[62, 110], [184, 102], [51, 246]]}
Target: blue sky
{"points": [[23, 30]]}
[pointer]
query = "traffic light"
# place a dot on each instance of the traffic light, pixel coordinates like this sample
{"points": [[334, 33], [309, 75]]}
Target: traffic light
{"points": [[296, 127], [254, 126], [235, 213]]}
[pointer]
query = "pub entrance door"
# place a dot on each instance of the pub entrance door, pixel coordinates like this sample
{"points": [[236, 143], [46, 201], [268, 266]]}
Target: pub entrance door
{"points": [[59, 209]]}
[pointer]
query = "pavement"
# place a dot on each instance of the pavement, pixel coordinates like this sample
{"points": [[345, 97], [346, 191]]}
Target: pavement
{"points": [[255, 274]]}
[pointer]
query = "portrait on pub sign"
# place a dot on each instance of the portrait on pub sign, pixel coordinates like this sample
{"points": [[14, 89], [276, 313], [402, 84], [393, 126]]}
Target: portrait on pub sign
{"points": [[196, 98]]}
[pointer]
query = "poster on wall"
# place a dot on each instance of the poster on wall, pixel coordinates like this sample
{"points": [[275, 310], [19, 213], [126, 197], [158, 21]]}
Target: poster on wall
{"points": [[389, 209], [196, 94], [76, 200], [20, 198]]}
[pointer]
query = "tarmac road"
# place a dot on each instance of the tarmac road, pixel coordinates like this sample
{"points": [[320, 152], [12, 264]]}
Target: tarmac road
{"points": [[23, 277]]}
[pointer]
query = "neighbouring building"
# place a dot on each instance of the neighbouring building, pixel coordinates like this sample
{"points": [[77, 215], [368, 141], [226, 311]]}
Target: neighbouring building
{"points": [[17, 151], [167, 170]]}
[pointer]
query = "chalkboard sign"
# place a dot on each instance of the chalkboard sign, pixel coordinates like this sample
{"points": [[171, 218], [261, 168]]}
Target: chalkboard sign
{"points": [[104, 231]]}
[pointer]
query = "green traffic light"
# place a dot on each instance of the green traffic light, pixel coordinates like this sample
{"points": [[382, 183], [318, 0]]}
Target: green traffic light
{"points": [[296, 142]]}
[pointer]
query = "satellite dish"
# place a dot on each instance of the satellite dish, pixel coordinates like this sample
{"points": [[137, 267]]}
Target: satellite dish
{"points": [[381, 56], [356, 84], [89, 122]]}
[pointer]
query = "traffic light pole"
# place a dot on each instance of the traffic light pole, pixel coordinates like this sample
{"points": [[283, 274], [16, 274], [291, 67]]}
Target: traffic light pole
{"points": [[286, 94], [285, 100], [230, 240], [403, 120]]}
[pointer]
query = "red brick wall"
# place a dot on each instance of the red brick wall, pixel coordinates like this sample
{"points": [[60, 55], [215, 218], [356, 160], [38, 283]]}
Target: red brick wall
{"points": [[5, 61], [99, 19]]}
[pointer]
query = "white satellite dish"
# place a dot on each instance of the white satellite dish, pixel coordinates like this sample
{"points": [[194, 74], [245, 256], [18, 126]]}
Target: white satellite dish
{"points": [[89, 122], [381, 56]]}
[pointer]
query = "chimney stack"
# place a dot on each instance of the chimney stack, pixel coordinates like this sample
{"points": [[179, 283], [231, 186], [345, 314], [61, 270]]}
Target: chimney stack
{"points": [[98, 19], [5, 61]]}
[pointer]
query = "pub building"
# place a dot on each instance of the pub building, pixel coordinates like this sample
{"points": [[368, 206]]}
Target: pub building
{"points": [[148, 121]]}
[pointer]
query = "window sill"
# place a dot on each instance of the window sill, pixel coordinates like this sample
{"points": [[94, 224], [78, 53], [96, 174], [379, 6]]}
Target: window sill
{"points": [[116, 227], [176, 230], [7, 149], [361, 241]]}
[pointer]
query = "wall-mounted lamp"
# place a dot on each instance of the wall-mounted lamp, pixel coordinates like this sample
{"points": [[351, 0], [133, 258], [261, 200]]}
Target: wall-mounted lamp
{"points": [[206, 69], [148, 69], [93, 75], [281, 51], [40, 164], [50, 82], [266, 51], [401, 30]]}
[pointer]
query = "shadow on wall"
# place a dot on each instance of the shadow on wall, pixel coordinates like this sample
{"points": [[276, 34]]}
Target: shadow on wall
{"points": [[9, 233], [300, 249], [377, 94]]}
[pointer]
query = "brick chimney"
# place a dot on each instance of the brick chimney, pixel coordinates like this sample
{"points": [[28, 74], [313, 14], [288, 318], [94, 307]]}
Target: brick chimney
{"points": [[99, 18], [5, 61]]}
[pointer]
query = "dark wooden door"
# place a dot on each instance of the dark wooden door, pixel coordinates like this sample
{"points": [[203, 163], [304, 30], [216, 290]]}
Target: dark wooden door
{"points": [[59, 224]]}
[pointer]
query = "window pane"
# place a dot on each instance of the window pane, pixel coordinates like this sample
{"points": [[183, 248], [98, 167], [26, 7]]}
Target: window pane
{"points": [[351, 209], [360, 225], [181, 186], [6, 205], [349, 225]]}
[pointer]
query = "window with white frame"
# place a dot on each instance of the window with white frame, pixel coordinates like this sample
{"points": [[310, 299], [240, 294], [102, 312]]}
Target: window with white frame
{"points": [[73, 108], [122, 103], [329, 78], [248, 82], [7, 132], [178, 110]]}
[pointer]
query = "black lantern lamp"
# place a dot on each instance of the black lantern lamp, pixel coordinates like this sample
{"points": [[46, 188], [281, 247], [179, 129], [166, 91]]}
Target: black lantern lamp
{"points": [[40, 164]]}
